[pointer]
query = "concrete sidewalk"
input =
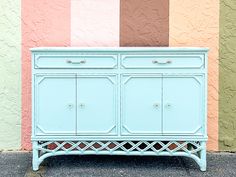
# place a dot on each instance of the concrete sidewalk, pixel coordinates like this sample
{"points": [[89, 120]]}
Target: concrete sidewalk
{"points": [[18, 164]]}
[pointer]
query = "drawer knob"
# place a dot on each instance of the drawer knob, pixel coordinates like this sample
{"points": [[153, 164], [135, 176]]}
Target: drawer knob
{"points": [[76, 62], [168, 105], [160, 62]]}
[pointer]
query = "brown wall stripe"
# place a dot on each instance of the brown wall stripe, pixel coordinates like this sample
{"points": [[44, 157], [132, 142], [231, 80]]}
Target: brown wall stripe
{"points": [[144, 23]]}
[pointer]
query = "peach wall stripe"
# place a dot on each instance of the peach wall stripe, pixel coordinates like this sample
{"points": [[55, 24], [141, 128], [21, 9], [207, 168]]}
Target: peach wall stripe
{"points": [[95, 23], [196, 23], [44, 23]]}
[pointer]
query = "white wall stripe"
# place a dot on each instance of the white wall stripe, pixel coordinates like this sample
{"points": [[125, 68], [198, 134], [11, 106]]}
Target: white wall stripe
{"points": [[95, 23]]}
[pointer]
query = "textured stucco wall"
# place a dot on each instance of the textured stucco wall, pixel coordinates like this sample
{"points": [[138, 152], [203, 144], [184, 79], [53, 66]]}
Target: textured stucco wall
{"points": [[44, 23], [71, 22], [227, 111], [144, 22], [196, 23], [10, 81], [95, 23]]}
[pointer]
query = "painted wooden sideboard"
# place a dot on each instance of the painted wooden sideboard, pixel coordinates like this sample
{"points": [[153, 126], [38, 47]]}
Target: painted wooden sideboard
{"points": [[119, 101]]}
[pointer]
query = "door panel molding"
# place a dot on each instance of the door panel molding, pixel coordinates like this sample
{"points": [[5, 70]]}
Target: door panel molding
{"points": [[40, 94], [125, 81], [199, 79], [110, 129]]}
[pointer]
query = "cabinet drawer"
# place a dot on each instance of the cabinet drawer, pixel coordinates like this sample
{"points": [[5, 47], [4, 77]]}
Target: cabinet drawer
{"points": [[162, 61], [76, 61]]}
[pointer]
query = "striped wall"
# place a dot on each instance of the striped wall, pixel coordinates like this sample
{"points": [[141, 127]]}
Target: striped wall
{"points": [[115, 23]]}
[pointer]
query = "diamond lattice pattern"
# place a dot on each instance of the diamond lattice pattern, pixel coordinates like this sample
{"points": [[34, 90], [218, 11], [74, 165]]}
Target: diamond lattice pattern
{"points": [[157, 147]]}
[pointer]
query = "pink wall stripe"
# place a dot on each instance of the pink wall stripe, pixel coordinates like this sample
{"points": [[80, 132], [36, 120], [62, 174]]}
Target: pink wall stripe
{"points": [[95, 23], [44, 23]]}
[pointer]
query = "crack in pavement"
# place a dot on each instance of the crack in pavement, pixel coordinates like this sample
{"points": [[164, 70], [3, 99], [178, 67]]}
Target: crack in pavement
{"points": [[39, 173]]}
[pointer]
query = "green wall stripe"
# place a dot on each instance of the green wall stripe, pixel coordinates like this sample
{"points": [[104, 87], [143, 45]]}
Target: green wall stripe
{"points": [[227, 80]]}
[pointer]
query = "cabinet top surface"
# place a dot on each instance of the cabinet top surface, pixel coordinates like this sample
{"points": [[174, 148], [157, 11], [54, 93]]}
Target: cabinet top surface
{"points": [[117, 49]]}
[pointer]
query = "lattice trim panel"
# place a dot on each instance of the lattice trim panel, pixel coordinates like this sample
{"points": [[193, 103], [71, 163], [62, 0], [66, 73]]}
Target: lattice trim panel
{"points": [[192, 149], [125, 146]]}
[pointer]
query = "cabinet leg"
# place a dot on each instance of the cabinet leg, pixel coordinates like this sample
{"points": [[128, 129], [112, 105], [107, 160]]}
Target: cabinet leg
{"points": [[35, 162], [203, 157]]}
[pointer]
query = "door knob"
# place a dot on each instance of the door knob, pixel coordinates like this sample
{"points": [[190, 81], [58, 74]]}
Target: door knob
{"points": [[81, 105], [168, 105], [70, 105], [156, 105]]}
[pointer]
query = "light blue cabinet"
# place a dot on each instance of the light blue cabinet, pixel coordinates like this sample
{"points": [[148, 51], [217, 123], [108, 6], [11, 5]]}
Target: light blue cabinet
{"points": [[119, 101]]}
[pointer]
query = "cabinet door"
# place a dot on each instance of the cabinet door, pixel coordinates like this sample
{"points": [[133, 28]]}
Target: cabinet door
{"points": [[96, 103], [141, 104], [183, 105], [55, 99]]}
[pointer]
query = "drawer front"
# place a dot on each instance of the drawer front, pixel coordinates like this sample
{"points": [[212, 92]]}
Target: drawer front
{"points": [[162, 61], [76, 61]]}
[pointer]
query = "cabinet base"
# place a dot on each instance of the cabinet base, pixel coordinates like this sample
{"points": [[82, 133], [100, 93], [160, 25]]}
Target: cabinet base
{"points": [[192, 149]]}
